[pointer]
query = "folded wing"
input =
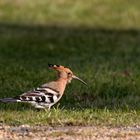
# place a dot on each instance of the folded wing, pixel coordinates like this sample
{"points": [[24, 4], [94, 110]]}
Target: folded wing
{"points": [[40, 95]]}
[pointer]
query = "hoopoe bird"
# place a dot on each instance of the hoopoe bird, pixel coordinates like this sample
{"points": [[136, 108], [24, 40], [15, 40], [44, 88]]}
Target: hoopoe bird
{"points": [[49, 93]]}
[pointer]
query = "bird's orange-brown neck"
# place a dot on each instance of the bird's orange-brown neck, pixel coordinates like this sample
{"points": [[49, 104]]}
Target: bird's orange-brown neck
{"points": [[61, 83]]}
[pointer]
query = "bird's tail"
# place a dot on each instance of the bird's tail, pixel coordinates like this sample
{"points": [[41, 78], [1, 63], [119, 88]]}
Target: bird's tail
{"points": [[9, 100]]}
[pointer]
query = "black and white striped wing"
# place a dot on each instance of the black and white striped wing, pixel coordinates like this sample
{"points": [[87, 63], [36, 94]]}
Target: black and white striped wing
{"points": [[40, 95]]}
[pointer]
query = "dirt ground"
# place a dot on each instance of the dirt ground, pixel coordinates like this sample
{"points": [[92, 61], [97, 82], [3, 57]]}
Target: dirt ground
{"points": [[26, 132]]}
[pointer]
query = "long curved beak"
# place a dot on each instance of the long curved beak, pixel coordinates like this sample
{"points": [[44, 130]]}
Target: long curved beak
{"points": [[77, 78]]}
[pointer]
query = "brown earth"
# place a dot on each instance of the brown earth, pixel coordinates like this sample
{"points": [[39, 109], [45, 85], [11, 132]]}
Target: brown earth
{"points": [[26, 132]]}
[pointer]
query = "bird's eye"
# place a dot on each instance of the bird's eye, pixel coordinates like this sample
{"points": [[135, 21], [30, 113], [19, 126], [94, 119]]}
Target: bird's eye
{"points": [[69, 73]]}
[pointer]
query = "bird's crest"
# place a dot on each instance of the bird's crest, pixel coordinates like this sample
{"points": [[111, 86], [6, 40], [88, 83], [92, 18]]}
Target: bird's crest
{"points": [[59, 68]]}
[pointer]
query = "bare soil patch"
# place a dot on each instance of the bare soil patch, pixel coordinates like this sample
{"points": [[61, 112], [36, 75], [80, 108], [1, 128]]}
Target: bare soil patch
{"points": [[26, 132]]}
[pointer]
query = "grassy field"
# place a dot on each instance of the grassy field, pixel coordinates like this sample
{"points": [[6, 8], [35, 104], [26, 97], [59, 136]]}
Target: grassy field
{"points": [[99, 41]]}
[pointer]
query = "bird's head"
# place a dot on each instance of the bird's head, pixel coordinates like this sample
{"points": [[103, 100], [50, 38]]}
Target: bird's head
{"points": [[65, 73]]}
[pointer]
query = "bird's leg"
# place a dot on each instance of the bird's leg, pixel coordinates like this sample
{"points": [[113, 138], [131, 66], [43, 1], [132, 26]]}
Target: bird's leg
{"points": [[49, 107]]}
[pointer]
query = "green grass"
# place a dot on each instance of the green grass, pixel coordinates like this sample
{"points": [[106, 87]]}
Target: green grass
{"points": [[98, 40]]}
